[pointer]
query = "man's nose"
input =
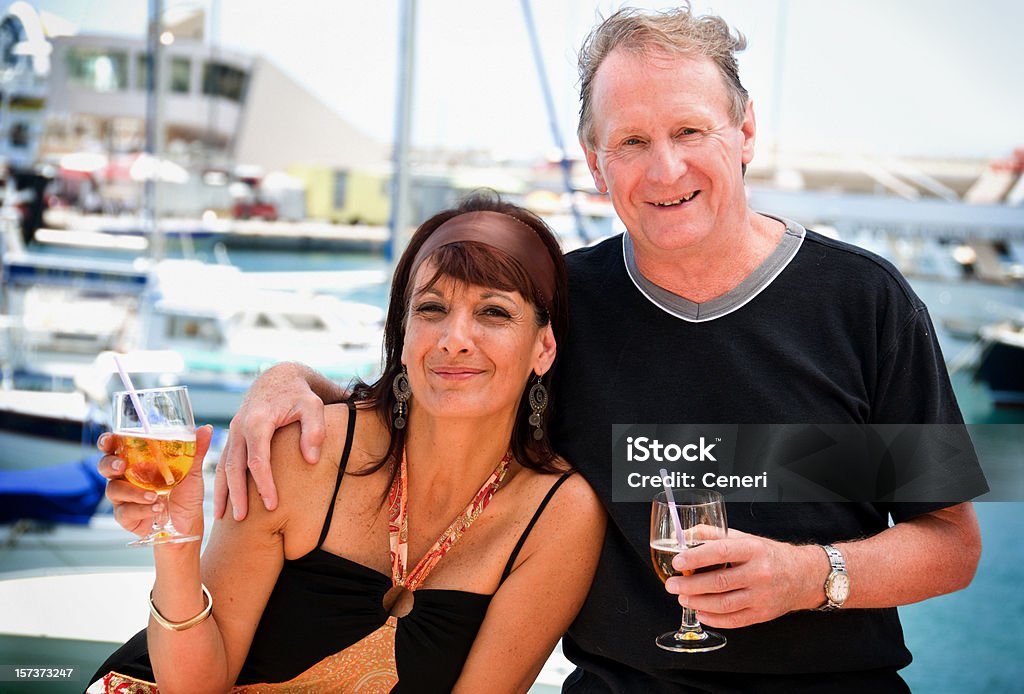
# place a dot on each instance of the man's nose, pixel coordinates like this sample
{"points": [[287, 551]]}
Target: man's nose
{"points": [[667, 163]]}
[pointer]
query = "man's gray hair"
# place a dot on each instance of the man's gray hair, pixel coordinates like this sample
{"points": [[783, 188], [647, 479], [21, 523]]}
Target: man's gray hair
{"points": [[677, 32]]}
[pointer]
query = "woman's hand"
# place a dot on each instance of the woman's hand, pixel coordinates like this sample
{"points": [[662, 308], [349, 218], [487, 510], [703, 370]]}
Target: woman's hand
{"points": [[135, 508]]}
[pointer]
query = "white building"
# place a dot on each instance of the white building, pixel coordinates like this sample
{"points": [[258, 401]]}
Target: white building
{"points": [[217, 107]]}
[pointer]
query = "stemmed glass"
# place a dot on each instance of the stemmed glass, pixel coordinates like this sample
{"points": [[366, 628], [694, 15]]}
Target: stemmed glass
{"points": [[155, 435], [701, 517]]}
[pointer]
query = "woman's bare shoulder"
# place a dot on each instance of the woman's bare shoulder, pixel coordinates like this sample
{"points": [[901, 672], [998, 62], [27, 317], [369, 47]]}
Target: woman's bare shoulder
{"points": [[298, 481], [574, 495]]}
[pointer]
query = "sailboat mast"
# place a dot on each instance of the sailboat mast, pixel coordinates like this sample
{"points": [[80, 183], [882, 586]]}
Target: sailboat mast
{"points": [[566, 165], [154, 128], [400, 182]]}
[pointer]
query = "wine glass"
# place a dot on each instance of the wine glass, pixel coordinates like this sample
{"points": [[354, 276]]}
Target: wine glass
{"points": [[155, 435], [701, 517]]}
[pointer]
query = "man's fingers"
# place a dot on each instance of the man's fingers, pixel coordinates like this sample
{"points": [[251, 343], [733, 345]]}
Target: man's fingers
{"points": [[220, 487], [233, 463], [257, 445], [714, 552], [312, 432]]}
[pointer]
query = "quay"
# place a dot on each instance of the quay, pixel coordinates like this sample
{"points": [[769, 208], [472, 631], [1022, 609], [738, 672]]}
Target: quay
{"points": [[69, 228]]}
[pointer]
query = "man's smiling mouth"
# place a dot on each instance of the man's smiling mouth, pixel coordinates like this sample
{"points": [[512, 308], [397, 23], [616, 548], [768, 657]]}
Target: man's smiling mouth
{"points": [[678, 201]]}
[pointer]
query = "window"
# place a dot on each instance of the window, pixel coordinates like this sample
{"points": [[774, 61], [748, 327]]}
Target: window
{"points": [[306, 321], [340, 188], [19, 134], [97, 69], [142, 71], [180, 69], [223, 80], [181, 75], [205, 330]]}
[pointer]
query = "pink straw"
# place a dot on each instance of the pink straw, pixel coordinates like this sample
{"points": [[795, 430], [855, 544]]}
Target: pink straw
{"points": [[673, 510], [131, 393]]}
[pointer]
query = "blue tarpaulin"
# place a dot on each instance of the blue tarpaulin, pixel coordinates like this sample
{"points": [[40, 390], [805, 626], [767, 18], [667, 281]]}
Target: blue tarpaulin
{"points": [[66, 493]]}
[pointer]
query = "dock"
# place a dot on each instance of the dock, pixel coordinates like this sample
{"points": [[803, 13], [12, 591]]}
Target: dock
{"points": [[70, 228]]}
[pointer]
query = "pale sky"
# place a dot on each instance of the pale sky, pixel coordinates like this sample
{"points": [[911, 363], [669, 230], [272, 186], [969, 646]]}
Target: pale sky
{"points": [[875, 77]]}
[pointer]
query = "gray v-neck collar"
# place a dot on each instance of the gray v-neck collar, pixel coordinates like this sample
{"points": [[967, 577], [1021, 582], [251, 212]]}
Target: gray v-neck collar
{"points": [[734, 299]]}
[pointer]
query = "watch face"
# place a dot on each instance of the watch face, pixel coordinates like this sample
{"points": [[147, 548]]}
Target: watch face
{"points": [[839, 587]]}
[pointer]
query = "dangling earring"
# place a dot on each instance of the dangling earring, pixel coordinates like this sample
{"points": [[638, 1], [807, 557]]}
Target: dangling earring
{"points": [[538, 400], [402, 391]]}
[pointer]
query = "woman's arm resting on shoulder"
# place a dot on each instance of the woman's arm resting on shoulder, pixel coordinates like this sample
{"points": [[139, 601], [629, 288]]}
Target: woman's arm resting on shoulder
{"points": [[283, 394], [538, 601], [240, 566]]}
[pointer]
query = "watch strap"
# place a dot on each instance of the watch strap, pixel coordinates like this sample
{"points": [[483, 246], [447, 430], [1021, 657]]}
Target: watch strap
{"points": [[838, 564], [835, 558]]}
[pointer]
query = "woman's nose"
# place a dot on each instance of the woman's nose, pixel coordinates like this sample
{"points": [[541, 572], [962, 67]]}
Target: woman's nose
{"points": [[457, 333]]}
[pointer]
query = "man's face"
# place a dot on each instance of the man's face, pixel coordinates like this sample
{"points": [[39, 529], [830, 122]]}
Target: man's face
{"points": [[666, 148]]}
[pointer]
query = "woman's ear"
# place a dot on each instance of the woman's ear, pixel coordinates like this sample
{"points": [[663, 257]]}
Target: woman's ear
{"points": [[547, 348]]}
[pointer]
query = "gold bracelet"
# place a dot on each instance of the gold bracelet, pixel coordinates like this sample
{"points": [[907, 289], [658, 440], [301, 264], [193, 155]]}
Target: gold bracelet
{"points": [[188, 623]]}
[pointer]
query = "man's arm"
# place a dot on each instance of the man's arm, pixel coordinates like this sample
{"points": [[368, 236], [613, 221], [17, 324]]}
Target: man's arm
{"points": [[283, 394], [926, 556]]}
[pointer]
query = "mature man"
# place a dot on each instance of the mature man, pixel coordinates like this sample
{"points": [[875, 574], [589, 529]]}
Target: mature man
{"points": [[707, 311]]}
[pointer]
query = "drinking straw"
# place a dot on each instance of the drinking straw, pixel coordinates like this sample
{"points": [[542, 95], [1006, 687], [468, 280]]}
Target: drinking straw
{"points": [[127, 382], [131, 393], [673, 510]]}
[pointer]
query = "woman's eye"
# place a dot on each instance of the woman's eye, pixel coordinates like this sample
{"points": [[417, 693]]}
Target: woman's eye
{"points": [[429, 307], [496, 312], [632, 141]]}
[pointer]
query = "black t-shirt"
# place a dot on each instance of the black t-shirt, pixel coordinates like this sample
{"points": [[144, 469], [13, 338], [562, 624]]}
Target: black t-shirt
{"points": [[823, 332]]}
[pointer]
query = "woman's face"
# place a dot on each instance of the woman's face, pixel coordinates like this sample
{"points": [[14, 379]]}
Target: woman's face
{"points": [[469, 349]]}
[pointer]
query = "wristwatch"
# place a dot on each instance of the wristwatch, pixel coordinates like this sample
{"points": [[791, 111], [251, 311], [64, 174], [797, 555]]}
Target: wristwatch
{"points": [[837, 585]]}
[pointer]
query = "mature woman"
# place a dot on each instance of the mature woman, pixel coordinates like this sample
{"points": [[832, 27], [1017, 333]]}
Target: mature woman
{"points": [[439, 546]]}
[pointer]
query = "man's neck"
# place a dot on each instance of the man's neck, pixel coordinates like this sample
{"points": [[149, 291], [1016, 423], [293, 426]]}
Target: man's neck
{"points": [[716, 267]]}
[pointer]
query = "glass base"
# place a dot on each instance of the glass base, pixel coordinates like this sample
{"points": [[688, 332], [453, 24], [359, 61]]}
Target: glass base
{"points": [[163, 538], [690, 641]]}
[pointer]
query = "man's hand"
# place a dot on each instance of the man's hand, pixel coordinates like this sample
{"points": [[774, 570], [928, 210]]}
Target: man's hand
{"points": [[280, 396], [763, 579], [928, 555], [134, 507]]}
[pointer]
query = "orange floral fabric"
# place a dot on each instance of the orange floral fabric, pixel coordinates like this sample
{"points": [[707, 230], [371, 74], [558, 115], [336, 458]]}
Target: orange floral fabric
{"points": [[366, 667], [398, 525]]}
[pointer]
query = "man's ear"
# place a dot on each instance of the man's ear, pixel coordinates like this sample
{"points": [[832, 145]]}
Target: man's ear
{"points": [[749, 129], [595, 168]]}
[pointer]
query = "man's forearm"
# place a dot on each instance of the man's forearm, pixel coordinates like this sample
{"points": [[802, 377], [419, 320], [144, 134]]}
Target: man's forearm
{"points": [[323, 387], [933, 554]]}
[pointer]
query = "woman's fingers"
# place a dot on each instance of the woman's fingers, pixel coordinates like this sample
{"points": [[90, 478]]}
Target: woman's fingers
{"points": [[120, 491], [135, 518], [111, 467]]}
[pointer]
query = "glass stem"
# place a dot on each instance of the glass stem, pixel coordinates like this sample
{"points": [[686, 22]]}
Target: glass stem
{"points": [[690, 628], [162, 520]]}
